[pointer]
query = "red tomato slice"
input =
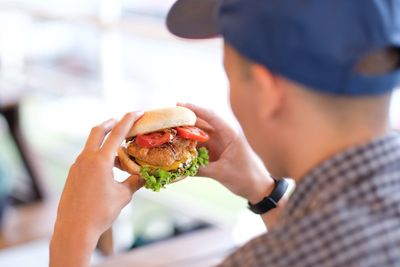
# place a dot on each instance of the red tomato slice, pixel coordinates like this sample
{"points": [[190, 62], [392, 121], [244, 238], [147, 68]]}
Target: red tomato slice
{"points": [[153, 139], [193, 133]]}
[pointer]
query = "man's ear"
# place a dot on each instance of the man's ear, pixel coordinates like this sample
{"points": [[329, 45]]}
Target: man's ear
{"points": [[269, 91]]}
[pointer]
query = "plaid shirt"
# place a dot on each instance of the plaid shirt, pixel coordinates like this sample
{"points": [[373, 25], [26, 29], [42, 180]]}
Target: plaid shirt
{"points": [[345, 212]]}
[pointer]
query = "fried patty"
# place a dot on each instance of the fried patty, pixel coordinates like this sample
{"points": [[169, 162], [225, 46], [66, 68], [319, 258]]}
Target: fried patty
{"points": [[178, 149]]}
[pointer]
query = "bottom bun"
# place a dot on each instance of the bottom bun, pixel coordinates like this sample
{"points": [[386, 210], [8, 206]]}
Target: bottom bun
{"points": [[131, 167], [127, 164]]}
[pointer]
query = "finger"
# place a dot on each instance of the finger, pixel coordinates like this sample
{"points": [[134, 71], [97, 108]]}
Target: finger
{"points": [[119, 133], [224, 133], [202, 124], [134, 183], [97, 135], [207, 115], [209, 170]]}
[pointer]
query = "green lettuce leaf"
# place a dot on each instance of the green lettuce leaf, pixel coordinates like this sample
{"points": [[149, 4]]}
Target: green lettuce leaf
{"points": [[155, 179]]}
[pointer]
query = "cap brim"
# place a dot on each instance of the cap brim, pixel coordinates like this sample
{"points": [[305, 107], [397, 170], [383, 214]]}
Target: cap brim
{"points": [[193, 19]]}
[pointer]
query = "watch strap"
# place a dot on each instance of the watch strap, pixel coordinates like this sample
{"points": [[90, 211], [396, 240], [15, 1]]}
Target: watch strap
{"points": [[271, 201]]}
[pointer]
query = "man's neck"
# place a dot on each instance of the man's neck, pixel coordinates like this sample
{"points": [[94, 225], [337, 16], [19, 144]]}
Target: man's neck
{"points": [[319, 145]]}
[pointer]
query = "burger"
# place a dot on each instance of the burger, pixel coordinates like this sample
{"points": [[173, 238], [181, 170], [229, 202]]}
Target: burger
{"points": [[163, 147]]}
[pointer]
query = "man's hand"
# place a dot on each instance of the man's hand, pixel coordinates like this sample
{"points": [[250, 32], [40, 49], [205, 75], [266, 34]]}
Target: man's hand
{"points": [[232, 161], [92, 199]]}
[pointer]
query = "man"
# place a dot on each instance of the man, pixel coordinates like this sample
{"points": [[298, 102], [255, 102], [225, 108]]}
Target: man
{"points": [[310, 83]]}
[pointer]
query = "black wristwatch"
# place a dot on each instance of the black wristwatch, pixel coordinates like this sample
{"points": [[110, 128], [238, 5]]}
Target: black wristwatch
{"points": [[271, 201]]}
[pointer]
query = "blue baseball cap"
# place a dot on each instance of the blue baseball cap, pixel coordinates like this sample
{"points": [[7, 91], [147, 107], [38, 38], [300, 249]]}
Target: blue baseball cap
{"points": [[317, 43]]}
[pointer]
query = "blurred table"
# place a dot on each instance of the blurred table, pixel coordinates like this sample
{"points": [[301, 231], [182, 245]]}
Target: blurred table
{"points": [[201, 248]]}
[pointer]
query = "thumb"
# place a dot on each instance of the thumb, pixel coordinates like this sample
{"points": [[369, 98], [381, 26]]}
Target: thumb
{"points": [[133, 182]]}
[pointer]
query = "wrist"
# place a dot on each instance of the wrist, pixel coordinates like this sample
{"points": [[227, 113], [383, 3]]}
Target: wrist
{"points": [[74, 235], [262, 187], [71, 245]]}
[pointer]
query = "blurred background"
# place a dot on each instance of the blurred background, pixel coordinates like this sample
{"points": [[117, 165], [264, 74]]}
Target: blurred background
{"points": [[66, 66]]}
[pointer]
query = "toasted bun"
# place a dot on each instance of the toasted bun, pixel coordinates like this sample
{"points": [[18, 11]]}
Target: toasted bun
{"points": [[127, 164], [130, 166], [159, 119]]}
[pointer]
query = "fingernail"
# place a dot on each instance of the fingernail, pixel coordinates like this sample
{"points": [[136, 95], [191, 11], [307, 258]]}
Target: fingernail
{"points": [[137, 113], [110, 121]]}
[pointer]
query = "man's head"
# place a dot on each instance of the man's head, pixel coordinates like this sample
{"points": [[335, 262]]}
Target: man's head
{"points": [[276, 113], [306, 77]]}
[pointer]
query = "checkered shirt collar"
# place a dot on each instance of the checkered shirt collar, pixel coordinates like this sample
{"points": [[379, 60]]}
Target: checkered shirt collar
{"points": [[325, 182]]}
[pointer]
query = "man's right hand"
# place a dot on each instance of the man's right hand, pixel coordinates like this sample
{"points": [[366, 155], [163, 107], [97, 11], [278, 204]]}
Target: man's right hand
{"points": [[232, 161]]}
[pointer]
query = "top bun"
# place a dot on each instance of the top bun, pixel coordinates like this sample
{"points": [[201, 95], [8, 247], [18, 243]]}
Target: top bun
{"points": [[158, 119]]}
